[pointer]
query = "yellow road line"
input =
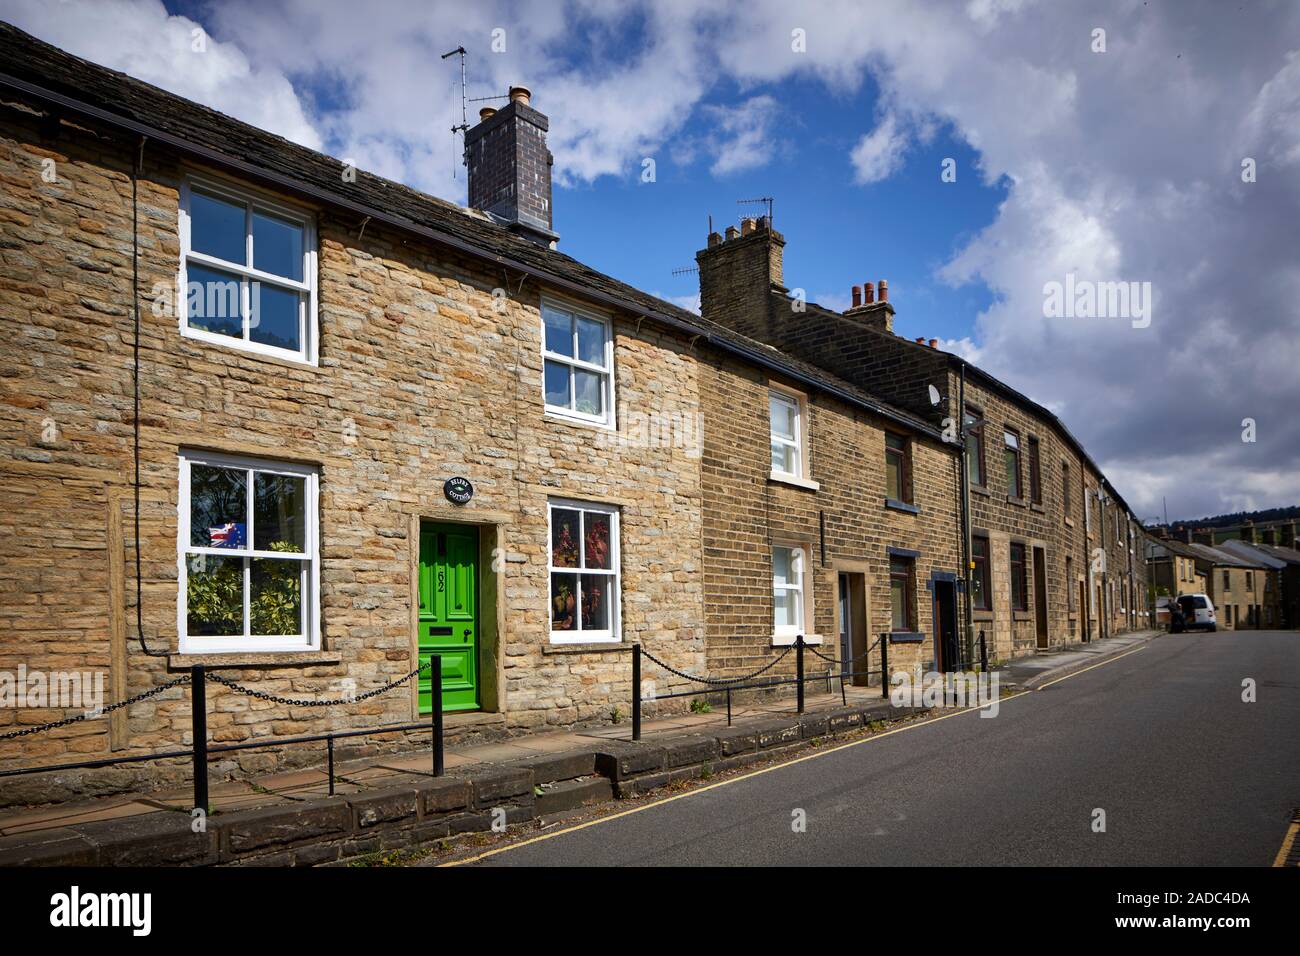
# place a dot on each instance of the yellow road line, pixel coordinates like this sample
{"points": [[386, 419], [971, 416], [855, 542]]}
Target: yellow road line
{"points": [[1288, 841], [756, 773]]}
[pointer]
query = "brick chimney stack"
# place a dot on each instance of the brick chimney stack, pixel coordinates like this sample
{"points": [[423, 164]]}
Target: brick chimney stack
{"points": [[739, 272], [510, 167]]}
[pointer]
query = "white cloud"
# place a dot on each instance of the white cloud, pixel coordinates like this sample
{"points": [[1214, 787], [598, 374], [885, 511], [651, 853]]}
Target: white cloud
{"points": [[879, 154], [142, 39], [744, 138]]}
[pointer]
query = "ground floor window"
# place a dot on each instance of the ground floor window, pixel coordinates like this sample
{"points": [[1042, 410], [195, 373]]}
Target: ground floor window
{"points": [[901, 594], [584, 563], [248, 565], [788, 597], [1019, 578], [980, 588]]}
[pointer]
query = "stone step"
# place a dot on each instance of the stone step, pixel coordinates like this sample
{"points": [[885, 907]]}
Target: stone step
{"points": [[574, 793]]}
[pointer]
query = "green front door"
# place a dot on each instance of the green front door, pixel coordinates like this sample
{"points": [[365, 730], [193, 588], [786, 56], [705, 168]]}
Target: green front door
{"points": [[449, 613]]}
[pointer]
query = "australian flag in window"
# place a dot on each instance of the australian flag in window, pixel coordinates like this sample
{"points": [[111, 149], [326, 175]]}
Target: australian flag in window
{"points": [[229, 535]]}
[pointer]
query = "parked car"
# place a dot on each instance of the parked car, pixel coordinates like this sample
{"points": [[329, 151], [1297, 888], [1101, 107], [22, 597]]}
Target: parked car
{"points": [[1198, 614]]}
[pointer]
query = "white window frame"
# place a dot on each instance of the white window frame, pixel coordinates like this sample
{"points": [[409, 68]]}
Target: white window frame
{"points": [[308, 326], [310, 556], [799, 443], [785, 634], [614, 634], [607, 420]]}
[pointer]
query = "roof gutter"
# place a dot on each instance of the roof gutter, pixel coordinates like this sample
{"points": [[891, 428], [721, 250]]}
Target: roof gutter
{"points": [[401, 222]]}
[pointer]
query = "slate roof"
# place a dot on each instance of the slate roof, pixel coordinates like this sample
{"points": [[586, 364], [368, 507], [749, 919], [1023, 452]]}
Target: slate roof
{"points": [[1271, 554], [1220, 558], [78, 85]]}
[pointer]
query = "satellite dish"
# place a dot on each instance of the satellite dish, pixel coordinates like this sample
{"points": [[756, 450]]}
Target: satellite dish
{"points": [[935, 397]]}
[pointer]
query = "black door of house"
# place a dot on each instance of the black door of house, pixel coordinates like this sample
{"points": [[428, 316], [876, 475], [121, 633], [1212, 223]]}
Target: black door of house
{"points": [[946, 644]]}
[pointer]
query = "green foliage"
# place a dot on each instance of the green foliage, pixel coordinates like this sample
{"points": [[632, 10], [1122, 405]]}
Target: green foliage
{"points": [[215, 597], [701, 706]]}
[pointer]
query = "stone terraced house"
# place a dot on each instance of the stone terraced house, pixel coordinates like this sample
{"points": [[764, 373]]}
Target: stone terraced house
{"points": [[370, 426], [1055, 554]]}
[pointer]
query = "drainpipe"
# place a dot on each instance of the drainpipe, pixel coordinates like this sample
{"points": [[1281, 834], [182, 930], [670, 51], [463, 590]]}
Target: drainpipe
{"points": [[965, 514]]}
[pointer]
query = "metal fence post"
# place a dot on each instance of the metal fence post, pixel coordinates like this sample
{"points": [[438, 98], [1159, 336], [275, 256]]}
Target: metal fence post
{"points": [[435, 665], [199, 731], [984, 653], [798, 668], [884, 665], [636, 691]]}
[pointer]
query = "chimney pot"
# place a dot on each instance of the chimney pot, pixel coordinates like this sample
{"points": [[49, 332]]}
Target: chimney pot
{"points": [[868, 293], [732, 232], [761, 224], [486, 113], [920, 340], [520, 94], [746, 225], [857, 296], [934, 343], [714, 239], [884, 291]]}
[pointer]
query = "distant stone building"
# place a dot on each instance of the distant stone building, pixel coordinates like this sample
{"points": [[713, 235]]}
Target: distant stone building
{"points": [[1053, 552]]}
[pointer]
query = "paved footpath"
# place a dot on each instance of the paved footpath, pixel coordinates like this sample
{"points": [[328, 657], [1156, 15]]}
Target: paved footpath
{"points": [[1158, 737]]}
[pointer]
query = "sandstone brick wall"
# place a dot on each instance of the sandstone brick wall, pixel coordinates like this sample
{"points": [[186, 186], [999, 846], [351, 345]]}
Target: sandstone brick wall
{"points": [[746, 512], [420, 378]]}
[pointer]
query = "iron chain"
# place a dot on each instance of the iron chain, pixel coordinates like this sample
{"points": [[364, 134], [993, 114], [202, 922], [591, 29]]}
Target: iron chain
{"points": [[295, 702], [717, 681], [152, 692]]}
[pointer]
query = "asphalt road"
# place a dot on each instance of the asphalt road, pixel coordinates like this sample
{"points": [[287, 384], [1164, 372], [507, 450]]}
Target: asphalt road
{"points": [[1160, 739]]}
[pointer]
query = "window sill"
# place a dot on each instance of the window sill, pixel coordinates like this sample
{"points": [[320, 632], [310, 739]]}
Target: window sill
{"points": [[1013, 500], [906, 637], [794, 481], [240, 346], [214, 661], [600, 647], [1021, 616], [894, 504], [977, 615], [1039, 508], [560, 418], [979, 490], [1069, 522], [787, 640]]}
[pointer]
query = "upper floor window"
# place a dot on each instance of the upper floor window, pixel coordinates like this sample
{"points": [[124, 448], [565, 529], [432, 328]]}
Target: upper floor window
{"points": [[1065, 488], [584, 570], [898, 472], [1035, 472], [578, 364], [974, 429], [248, 550], [1011, 458], [786, 419], [247, 274]]}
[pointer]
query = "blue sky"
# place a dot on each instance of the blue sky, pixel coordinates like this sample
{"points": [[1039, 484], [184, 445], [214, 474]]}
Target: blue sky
{"points": [[1104, 141]]}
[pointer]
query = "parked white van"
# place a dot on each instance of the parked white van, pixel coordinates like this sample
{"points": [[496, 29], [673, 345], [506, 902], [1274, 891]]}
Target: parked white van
{"points": [[1198, 613]]}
